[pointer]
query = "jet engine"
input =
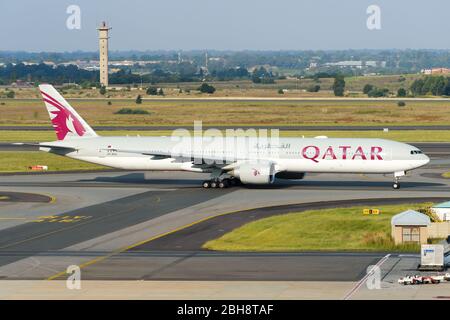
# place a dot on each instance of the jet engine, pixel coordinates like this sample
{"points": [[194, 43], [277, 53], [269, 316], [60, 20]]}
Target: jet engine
{"points": [[255, 173]]}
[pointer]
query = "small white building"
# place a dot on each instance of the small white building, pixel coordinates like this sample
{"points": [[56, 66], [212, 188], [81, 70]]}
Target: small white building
{"points": [[410, 227], [442, 210]]}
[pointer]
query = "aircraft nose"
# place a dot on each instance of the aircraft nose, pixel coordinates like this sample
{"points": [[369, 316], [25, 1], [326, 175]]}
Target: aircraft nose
{"points": [[425, 160]]}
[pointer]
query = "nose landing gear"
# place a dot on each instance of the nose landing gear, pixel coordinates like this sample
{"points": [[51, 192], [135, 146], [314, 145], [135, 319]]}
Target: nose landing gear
{"points": [[397, 175]]}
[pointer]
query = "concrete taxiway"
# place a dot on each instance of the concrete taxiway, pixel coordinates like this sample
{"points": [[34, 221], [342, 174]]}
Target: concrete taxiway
{"points": [[150, 226]]}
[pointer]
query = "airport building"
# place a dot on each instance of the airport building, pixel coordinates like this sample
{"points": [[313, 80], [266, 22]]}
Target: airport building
{"points": [[410, 227], [415, 227], [442, 210]]}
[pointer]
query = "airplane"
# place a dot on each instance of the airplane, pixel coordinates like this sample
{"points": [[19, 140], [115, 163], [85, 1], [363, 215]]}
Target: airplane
{"points": [[286, 158]]}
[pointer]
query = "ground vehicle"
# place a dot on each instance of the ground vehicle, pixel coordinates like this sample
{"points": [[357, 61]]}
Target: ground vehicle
{"points": [[409, 280], [418, 279], [431, 280]]}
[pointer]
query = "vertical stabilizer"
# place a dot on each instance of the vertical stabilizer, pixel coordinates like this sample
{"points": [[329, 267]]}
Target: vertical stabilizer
{"points": [[66, 121]]}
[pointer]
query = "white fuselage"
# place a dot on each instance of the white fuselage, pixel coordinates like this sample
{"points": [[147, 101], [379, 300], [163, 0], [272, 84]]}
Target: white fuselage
{"points": [[289, 154]]}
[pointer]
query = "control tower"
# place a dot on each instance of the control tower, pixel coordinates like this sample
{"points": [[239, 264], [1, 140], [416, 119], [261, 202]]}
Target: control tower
{"points": [[103, 37]]}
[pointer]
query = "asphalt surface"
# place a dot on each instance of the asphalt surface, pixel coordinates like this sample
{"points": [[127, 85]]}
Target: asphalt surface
{"points": [[205, 127], [183, 266], [6, 146], [6, 196], [137, 180], [59, 231], [131, 236]]}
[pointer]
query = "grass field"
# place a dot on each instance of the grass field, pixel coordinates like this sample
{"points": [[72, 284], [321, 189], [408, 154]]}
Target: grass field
{"points": [[11, 161], [403, 136], [340, 229], [283, 112]]}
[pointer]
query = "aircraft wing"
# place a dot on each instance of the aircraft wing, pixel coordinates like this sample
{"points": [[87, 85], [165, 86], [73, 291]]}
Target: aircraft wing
{"points": [[209, 159], [60, 147]]}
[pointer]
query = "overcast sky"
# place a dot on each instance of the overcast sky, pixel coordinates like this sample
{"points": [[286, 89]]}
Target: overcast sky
{"points": [[225, 24]]}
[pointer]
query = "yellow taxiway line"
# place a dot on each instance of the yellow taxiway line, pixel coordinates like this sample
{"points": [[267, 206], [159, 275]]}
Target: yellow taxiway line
{"points": [[120, 250]]}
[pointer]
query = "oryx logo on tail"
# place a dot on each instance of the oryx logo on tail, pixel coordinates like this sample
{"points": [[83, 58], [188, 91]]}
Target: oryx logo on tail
{"points": [[65, 120]]}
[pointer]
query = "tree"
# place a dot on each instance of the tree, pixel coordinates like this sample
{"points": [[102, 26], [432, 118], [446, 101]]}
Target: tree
{"points": [[152, 91], [206, 88], [416, 87], [378, 92], [447, 88], [280, 91], [11, 94], [439, 85], [160, 92], [313, 88], [261, 75], [401, 92], [367, 88], [138, 99], [339, 86], [102, 90]]}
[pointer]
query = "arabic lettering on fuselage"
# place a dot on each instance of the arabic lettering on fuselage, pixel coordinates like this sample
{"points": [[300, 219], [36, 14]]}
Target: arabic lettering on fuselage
{"points": [[273, 146]]}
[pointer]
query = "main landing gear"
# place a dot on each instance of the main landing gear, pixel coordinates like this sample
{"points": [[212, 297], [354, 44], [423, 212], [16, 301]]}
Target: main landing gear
{"points": [[220, 183]]}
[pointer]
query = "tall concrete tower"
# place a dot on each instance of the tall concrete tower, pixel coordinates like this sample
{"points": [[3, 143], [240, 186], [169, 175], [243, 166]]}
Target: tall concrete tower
{"points": [[103, 48]]}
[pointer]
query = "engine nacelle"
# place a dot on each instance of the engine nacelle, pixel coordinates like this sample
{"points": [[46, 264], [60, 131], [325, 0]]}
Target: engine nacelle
{"points": [[255, 173]]}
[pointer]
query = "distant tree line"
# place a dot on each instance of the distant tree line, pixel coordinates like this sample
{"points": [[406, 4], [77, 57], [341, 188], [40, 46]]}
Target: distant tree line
{"points": [[230, 74], [64, 74], [431, 85], [45, 73], [396, 61], [156, 76]]}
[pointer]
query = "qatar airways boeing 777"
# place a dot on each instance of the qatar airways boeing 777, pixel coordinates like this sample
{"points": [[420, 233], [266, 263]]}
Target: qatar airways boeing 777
{"points": [[261, 163]]}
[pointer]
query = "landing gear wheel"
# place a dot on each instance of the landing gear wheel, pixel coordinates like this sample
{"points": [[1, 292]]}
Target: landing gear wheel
{"points": [[223, 184], [206, 184], [214, 184], [396, 185]]}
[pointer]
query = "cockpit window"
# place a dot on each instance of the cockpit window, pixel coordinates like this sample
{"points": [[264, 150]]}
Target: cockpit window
{"points": [[416, 152]]}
